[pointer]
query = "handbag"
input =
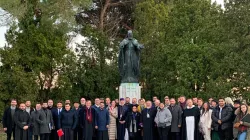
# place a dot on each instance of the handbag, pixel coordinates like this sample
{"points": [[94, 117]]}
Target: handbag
{"points": [[237, 125]]}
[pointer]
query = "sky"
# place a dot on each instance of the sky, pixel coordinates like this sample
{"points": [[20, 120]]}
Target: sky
{"points": [[3, 29]]}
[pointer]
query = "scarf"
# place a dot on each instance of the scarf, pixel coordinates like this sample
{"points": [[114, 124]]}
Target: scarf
{"points": [[183, 105], [89, 115], [132, 122], [111, 108]]}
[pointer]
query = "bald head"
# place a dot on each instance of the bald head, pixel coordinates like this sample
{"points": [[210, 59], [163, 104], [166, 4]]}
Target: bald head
{"points": [[157, 102], [148, 104]]}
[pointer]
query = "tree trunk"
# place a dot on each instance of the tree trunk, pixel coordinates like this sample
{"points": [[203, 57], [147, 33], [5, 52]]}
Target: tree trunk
{"points": [[102, 14]]}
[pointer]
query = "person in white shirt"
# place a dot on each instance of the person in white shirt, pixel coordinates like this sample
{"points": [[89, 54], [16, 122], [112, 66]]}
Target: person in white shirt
{"points": [[206, 121]]}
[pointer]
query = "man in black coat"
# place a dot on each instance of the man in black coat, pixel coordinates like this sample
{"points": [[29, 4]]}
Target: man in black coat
{"points": [[8, 122], [50, 104], [22, 121], [121, 124], [77, 131], [34, 116], [147, 118], [87, 121], [82, 103], [81, 107], [67, 122], [176, 112], [45, 121], [222, 117], [29, 109]]}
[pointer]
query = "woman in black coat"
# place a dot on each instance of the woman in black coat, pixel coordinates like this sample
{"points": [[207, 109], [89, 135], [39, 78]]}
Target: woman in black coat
{"points": [[133, 124]]}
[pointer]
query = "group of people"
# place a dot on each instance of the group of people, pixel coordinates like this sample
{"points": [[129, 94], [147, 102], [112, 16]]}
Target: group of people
{"points": [[186, 119]]}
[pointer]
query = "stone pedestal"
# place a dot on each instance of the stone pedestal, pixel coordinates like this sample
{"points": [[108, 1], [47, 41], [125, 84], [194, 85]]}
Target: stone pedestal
{"points": [[131, 90]]}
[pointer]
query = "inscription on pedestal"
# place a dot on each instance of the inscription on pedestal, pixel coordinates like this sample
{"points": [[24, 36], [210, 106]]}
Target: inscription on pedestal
{"points": [[131, 90]]}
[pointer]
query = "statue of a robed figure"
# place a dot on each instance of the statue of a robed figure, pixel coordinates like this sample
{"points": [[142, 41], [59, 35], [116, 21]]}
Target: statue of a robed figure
{"points": [[129, 59]]}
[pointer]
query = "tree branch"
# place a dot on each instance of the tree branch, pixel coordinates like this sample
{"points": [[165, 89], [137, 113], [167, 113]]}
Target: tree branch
{"points": [[119, 3]]}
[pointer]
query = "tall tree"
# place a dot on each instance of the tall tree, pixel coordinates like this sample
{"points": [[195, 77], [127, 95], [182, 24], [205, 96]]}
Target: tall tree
{"points": [[37, 48]]}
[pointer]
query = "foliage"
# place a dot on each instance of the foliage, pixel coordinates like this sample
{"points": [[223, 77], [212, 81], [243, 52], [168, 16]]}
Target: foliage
{"points": [[192, 48]]}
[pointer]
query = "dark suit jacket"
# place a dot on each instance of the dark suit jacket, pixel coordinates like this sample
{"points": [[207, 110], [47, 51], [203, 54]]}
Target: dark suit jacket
{"points": [[7, 120], [78, 116], [55, 115]]}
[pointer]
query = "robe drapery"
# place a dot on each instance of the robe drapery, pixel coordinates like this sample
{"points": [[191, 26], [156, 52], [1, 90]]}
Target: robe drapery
{"points": [[21, 118], [87, 127], [133, 121], [191, 118], [122, 114], [129, 58], [148, 124]]}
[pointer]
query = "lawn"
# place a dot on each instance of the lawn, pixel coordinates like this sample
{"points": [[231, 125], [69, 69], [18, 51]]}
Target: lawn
{"points": [[2, 134]]}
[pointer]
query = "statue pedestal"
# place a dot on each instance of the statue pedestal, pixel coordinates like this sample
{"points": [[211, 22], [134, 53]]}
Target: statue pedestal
{"points": [[131, 90]]}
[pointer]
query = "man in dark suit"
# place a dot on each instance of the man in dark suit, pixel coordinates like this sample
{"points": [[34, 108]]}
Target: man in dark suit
{"points": [[50, 104], [82, 103], [45, 121], [67, 122], [34, 116], [51, 108], [55, 113], [77, 131], [97, 104], [29, 109], [96, 108], [176, 112], [8, 121], [222, 120]]}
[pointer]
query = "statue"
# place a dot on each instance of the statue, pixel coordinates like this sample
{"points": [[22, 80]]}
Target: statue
{"points": [[129, 59]]}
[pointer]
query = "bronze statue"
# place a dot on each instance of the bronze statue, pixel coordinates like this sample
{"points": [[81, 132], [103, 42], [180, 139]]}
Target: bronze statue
{"points": [[129, 59]]}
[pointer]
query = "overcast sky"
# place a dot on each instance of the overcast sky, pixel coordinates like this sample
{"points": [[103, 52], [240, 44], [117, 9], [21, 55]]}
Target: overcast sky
{"points": [[4, 28]]}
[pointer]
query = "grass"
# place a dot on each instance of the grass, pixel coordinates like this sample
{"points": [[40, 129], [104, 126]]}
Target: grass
{"points": [[2, 134]]}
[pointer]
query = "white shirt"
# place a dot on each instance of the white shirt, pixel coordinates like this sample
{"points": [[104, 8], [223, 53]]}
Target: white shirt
{"points": [[27, 109], [220, 111], [59, 111]]}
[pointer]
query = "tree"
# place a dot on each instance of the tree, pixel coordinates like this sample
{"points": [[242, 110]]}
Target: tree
{"points": [[181, 51], [36, 50]]}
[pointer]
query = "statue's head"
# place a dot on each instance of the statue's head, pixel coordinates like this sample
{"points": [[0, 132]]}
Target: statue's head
{"points": [[130, 34]]}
